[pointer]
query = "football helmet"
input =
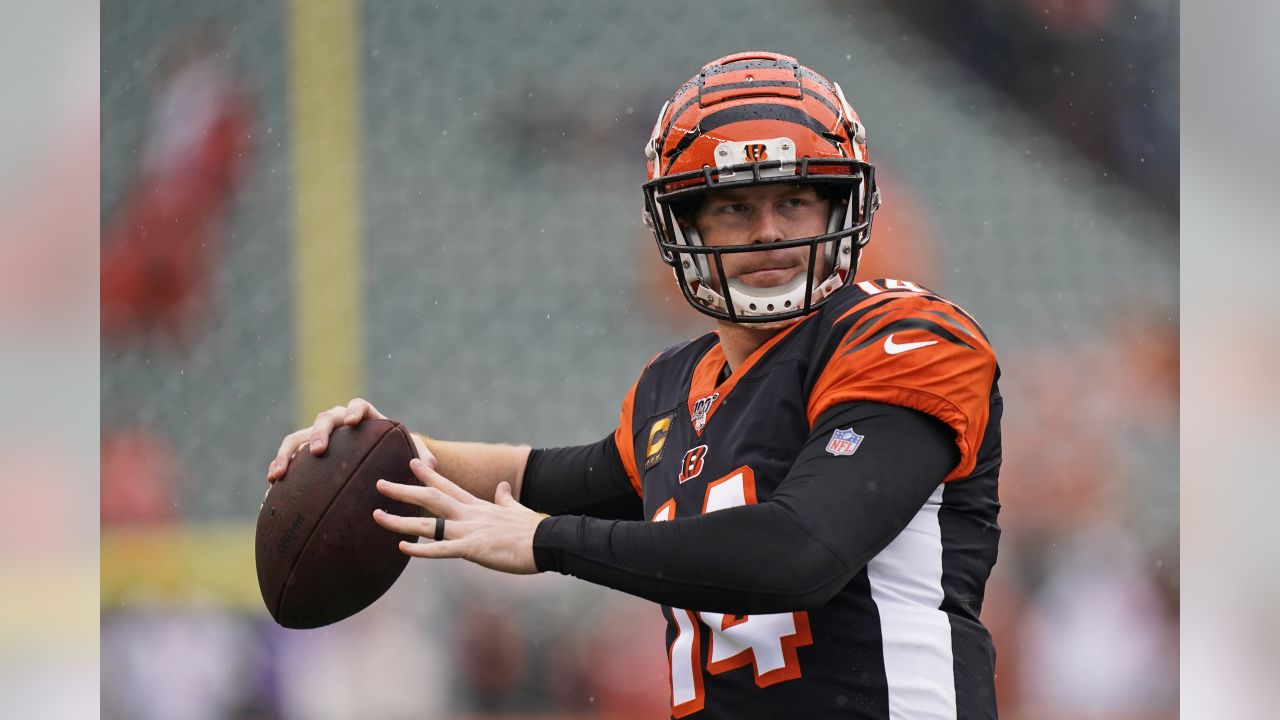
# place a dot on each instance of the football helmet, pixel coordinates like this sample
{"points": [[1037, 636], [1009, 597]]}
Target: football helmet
{"points": [[749, 119]]}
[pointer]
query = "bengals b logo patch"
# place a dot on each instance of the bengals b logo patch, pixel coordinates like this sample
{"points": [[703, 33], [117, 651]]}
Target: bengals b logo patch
{"points": [[691, 466], [755, 152]]}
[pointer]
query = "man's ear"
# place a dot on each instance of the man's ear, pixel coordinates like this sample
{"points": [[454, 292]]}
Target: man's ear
{"points": [[685, 211]]}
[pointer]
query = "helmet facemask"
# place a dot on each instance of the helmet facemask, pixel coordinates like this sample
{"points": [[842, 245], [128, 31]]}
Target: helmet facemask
{"points": [[699, 269]]}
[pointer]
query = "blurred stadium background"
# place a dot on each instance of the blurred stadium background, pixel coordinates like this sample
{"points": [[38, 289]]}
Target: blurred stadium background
{"points": [[437, 206]]}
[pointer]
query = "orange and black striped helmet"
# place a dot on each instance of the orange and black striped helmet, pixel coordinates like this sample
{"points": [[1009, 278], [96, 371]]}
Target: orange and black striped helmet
{"points": [[748, 119]]}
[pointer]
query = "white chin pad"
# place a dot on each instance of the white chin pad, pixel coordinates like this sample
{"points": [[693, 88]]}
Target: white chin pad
{"points": [[751, 301]]}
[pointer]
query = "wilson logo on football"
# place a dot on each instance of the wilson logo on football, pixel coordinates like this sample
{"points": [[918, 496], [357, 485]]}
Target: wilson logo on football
{"points": [[691, 466], [755, 152]]}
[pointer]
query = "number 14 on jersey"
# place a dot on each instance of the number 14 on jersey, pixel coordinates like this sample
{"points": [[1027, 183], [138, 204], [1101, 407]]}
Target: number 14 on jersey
{"points": [[767, 642]]}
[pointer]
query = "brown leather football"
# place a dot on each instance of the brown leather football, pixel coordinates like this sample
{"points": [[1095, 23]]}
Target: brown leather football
{"points": [[320, 555]]}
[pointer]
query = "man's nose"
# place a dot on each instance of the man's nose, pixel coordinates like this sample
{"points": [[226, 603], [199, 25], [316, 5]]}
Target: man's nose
{"points": [[768, 227]]}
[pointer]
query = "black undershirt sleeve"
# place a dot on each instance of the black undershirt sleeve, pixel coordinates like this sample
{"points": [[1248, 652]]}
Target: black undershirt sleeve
{"points": [[795, 551], [584, 480]]}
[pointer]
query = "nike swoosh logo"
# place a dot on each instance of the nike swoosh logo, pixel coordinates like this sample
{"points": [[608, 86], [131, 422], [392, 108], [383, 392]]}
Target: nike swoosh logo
{"points": [[894, 348]]}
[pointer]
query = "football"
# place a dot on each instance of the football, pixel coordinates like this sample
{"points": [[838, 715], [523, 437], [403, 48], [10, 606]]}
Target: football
{"points": [[320, 555]]}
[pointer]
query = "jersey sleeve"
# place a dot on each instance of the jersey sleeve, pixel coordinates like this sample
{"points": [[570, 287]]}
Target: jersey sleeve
{"points": [[919, 352], [624, 438]]}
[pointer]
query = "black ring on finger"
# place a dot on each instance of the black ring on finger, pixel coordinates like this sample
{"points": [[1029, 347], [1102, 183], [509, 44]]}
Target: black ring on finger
{"points": [[439, 529]]}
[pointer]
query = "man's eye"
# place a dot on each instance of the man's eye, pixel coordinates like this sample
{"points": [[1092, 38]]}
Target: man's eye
{"points": [[796, 202], [734, 208]]}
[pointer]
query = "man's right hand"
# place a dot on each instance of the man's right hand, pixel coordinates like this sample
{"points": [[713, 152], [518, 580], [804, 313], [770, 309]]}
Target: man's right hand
{"points": [[316, 437]]}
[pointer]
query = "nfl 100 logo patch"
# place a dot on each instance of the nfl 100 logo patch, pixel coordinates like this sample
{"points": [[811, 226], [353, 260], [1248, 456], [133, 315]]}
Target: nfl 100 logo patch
{"points": [[844, 442], [701, 409]]}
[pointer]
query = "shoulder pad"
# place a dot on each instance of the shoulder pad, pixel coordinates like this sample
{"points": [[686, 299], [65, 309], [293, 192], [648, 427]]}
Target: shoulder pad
{"points": [[904, 345]]}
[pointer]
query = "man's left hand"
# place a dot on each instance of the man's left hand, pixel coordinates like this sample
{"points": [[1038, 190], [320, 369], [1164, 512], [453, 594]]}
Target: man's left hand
{"points": [[497, 535]]}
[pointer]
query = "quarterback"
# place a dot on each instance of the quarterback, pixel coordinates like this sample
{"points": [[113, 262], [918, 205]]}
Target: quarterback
{"points": [[810, 490]]}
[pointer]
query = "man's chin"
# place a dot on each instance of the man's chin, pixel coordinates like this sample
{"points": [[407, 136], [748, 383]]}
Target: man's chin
{"points": [[771, 325]]}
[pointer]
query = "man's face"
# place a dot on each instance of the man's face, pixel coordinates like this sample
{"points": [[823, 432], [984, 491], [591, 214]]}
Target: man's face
{"points": [[763, 214]]}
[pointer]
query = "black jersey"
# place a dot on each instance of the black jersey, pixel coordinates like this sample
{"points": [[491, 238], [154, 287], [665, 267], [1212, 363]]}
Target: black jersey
{"points": [[902, 639]]}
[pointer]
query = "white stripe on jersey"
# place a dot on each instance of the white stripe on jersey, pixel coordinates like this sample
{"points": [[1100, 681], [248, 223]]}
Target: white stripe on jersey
{"points": [[906, 584]]}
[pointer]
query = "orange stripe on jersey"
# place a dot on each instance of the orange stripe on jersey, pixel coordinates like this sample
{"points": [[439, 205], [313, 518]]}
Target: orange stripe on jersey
{"points": [[703, 385], [624, 438], [873, 299], [917, 353], [705, 375]]}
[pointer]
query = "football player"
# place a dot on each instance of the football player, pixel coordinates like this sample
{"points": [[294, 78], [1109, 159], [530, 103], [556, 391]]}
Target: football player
{"points": [[810, 491]]}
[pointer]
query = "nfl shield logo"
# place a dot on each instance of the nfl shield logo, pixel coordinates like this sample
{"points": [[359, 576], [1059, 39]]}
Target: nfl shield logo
{"points": [[844, 442]]}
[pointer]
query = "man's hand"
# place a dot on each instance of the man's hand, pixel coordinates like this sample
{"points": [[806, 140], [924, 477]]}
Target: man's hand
{"points": [[316, 437], [497, 535]]}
